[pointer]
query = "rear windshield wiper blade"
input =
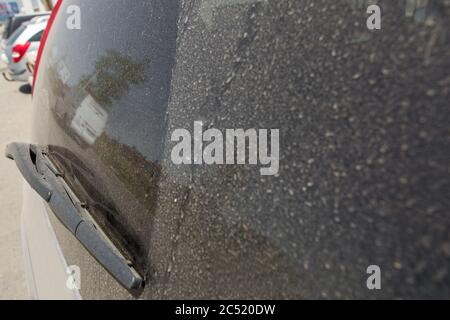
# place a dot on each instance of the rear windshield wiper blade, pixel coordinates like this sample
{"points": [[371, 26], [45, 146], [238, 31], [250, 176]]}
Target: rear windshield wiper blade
{"points": [[44, 178]]}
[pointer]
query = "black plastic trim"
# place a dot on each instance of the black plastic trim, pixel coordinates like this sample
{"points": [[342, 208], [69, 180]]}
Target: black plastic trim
{"points": [[43, 177]]}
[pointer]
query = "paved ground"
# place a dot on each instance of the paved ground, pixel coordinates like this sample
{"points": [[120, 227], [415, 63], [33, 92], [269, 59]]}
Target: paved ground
{"points": [[15, 116]]}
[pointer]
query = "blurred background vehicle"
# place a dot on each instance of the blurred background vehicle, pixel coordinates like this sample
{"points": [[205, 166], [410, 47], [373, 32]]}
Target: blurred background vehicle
{"points": [[12, 23], [25, 39]]}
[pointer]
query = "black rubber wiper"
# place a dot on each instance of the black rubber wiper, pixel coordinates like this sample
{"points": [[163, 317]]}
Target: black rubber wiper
{"points": [[44, 178]]}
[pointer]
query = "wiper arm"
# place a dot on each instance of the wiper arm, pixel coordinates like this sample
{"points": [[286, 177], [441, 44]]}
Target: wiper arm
{"points": [[43, 177]]}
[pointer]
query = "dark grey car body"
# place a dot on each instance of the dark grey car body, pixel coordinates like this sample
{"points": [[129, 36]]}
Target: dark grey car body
{"points": [[364, 145]]}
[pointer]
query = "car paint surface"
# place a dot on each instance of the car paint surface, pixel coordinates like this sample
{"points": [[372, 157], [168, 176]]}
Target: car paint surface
{"points": [[46, 268], [363, 117]]}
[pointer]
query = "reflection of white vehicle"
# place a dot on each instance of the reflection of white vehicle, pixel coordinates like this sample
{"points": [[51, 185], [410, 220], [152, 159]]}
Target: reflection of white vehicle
{"points": [[89, 120]]}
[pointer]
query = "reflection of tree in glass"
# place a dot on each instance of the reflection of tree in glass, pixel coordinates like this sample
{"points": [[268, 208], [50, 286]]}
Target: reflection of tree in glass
{"points": [[114, 73]]}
